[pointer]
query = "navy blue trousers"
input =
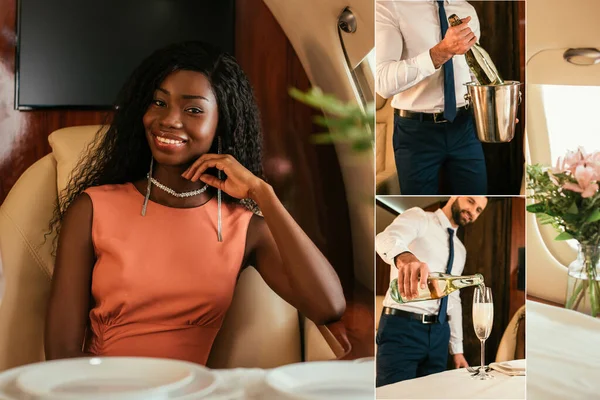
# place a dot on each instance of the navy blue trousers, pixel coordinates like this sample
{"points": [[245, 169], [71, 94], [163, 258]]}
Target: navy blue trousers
{"points": [[421, 149], [408, 349]]}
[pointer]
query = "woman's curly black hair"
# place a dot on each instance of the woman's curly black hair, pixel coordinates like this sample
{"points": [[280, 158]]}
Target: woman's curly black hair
{"points": [[123, 155]]}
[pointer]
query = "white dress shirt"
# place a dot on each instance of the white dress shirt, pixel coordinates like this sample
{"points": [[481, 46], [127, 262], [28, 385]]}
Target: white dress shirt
{"points": [[425, 234], [404, 33]]}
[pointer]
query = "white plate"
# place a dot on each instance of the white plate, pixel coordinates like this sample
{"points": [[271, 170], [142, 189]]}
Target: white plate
{"points": [[326, 380], [117, 378]]}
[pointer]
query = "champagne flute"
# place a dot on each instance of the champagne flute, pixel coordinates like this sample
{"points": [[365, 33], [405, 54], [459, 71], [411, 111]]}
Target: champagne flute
{"points": [[483, 319]]}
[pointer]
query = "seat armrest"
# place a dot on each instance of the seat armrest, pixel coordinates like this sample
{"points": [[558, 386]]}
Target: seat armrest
{"points": [[325, 342]]}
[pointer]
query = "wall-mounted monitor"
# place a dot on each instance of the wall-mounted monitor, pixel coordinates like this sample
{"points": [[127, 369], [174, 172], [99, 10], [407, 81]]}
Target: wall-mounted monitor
{"points": [[78, 54]]}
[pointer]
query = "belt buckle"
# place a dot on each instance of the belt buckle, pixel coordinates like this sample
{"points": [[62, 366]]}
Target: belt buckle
{"points": [[435, 118], [423, 321]]}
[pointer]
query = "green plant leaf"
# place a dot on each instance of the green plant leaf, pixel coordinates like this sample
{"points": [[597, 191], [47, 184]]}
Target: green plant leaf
{"points": [[572, 218], [326, 138], [573, 209], [536, 208], [346, 122], [564, 236], [594, 216], [361, 146], [545, 219]]}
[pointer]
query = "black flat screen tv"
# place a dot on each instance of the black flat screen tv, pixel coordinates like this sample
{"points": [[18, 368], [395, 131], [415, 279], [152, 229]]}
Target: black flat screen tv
{"points": [[77, 54]]}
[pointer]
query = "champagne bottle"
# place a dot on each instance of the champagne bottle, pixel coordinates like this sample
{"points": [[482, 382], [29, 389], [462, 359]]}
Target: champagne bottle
{"points": [[479, 61], [438, 286]]}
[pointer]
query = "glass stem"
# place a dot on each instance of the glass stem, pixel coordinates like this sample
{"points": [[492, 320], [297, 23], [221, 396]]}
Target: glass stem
{"points": [[482, 370]]}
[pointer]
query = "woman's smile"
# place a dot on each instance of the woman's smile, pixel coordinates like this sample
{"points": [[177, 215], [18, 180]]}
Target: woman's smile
{"points": [[168, 142]]}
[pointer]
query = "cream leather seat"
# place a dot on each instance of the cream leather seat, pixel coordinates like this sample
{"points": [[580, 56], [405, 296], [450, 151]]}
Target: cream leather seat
{"points": [[512, 337], [260, 330], [385, 164]]}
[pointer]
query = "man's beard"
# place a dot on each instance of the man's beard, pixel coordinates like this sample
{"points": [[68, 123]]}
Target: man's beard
{"points": [[459, 217]]}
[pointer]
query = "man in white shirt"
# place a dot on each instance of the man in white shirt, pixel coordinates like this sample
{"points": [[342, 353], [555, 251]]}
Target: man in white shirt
{"points": [[420, 63], [413, 339]]}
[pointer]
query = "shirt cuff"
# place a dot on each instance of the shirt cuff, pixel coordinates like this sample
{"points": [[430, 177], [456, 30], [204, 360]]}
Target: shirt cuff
{"points": [[425, 64], [389, 248], [456, 348]]}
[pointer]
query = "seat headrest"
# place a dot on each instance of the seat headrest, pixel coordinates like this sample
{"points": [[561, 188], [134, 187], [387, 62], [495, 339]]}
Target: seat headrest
{"points": [[68, 145]]}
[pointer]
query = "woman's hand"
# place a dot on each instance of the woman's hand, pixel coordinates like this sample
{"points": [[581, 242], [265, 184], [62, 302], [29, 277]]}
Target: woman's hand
{"points": [[240, 182]]}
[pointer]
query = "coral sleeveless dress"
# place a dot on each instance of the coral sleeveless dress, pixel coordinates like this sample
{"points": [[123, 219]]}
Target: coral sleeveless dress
{"points": [[161, 283]]}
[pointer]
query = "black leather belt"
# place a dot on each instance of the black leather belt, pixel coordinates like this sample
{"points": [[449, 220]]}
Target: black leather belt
{"points": [[423, 318], [426, 117]]}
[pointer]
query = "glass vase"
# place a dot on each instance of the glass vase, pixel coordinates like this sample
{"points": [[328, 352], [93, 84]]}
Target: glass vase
{"points": [[583, 289]]}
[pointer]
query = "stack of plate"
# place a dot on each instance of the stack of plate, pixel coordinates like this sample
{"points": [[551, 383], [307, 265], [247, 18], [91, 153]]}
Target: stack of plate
{"points": [[132, 378], [327, 380], [115, 378]]}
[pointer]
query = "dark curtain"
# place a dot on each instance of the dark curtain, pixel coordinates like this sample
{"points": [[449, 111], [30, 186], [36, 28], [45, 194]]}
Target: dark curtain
{"points": [[503, 36], [488, 244]]}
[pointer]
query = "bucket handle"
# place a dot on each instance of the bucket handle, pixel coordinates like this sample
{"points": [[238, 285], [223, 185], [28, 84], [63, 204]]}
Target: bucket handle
{"points": [[467, 98]]}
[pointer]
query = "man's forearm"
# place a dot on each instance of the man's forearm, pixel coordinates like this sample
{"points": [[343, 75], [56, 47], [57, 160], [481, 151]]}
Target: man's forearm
{"points": [[438, 55]]}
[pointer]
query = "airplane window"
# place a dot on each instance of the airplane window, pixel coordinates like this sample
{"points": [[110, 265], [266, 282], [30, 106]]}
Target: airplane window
{"points": [[581, 104]]}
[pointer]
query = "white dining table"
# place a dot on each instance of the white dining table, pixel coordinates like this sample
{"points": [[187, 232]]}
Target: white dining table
{"points": [[455, 384], [563, 354]]}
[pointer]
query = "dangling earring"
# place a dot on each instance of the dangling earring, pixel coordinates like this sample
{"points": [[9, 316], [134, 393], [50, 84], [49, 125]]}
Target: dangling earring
{"points": [[148, 187], [219, 235]]}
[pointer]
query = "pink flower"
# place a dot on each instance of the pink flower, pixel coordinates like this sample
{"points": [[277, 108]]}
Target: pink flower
{"points": [[593, 160], [594, 157], [573, 159], [559, 167], [586, 185]]}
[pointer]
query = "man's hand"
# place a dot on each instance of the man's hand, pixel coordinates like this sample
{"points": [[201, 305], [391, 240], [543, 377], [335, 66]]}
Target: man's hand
{"points": [[458, 40], [460, 361], [411, 274]]}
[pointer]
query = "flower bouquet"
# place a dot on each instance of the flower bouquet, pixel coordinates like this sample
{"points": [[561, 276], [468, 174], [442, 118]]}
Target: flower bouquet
{"points": [[567, 197]]}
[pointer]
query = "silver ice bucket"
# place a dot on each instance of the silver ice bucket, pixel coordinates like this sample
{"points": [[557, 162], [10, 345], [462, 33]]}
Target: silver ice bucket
{"points": [[495, 109]]}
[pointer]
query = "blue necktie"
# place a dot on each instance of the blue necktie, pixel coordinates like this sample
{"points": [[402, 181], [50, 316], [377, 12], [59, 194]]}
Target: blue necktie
{"points": [[444, 301], [449, 90]]}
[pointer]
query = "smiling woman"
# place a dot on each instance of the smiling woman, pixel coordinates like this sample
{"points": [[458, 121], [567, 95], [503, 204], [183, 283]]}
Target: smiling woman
{"points": [[183, 100], [155, 276]]}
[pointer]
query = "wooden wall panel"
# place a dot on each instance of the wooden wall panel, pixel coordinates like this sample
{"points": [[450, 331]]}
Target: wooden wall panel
{"points": [[306, 177], [517, 297]]}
